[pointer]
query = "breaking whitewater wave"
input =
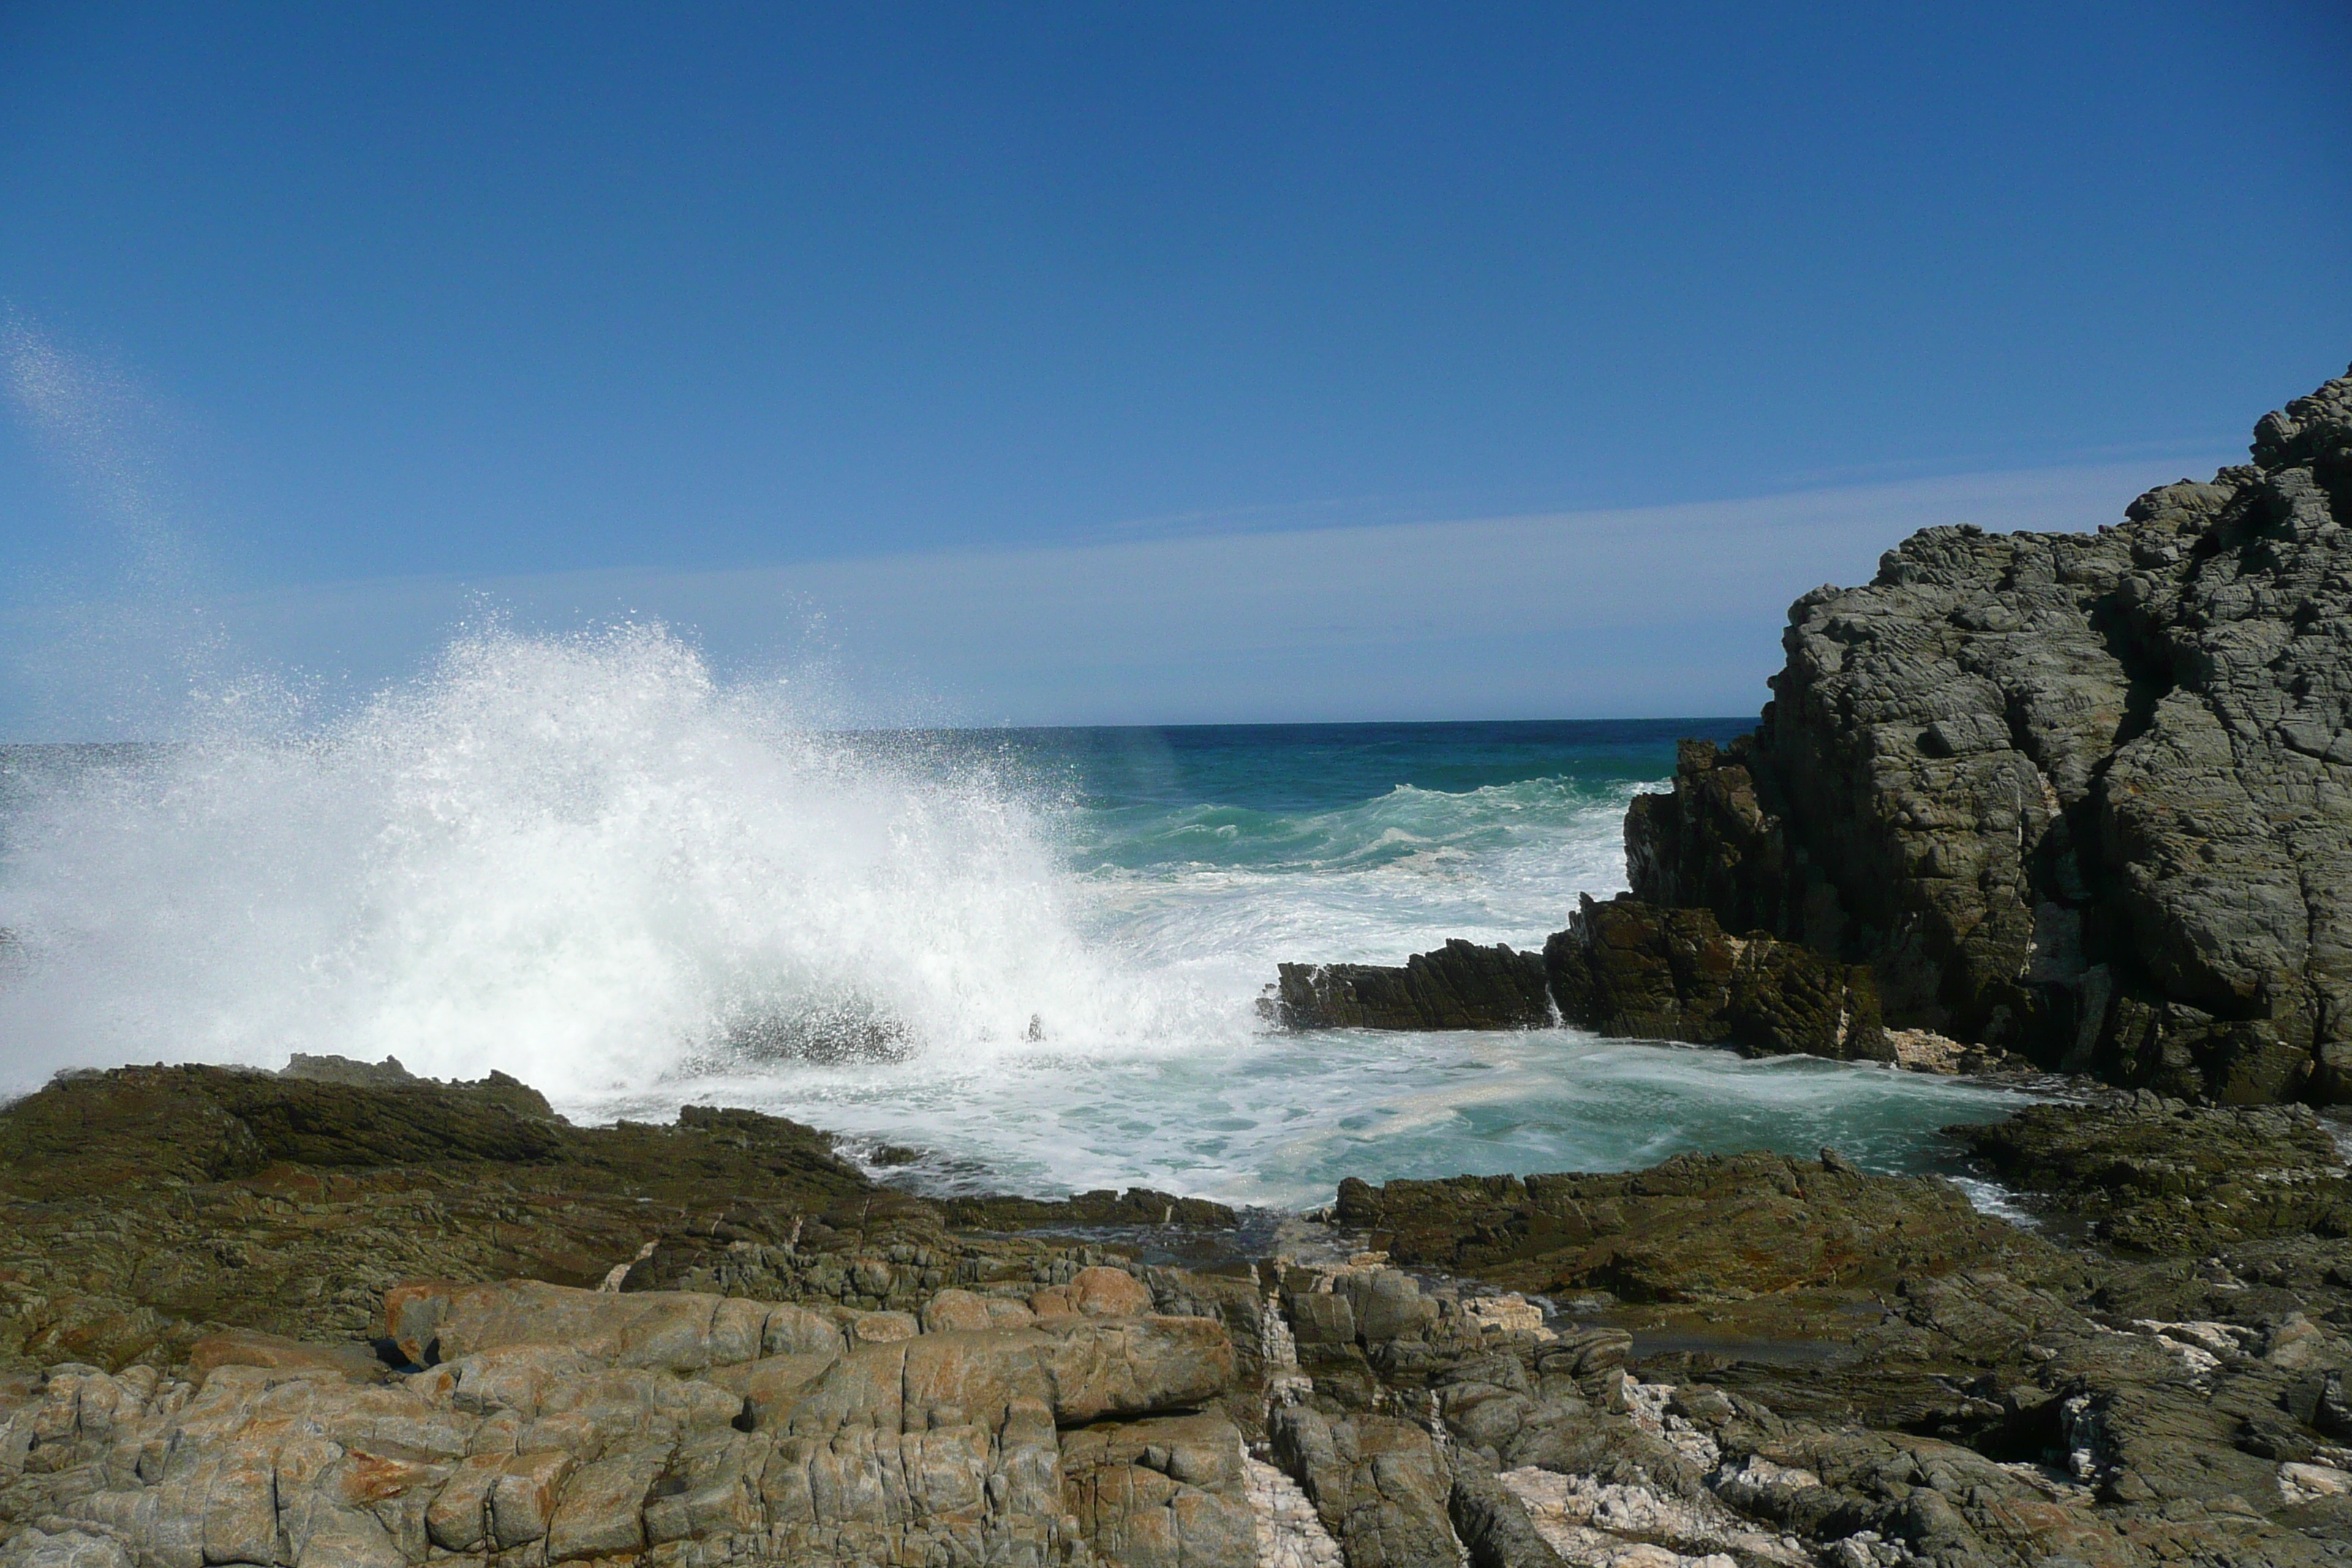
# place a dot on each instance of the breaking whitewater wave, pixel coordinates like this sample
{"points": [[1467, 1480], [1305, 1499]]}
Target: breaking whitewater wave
{"points": [[587, 862], [582, 861], [1370, 881]]}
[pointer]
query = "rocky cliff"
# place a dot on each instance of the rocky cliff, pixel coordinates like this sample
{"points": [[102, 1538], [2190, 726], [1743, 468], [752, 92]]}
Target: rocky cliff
{"points": [[2086, 797]]}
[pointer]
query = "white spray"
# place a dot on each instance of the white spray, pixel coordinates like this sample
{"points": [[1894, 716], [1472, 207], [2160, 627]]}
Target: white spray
{"points": [[581, 860]]}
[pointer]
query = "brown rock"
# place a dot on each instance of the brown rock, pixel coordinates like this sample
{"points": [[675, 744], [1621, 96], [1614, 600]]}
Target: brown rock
{"points": [[772, 1386], [522, 1497], [676, 1330], [1162, 1493], [244, 1347], [882, 1328], [460, 1518], [602, 1513], [956, 1312], [1097, 1292]]}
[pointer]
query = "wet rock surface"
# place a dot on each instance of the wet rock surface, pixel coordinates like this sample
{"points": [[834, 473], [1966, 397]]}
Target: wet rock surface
{"points": [[1621, 968], [1641, 972], [1745, 1360], [2162, 1176], [1462, 986]]}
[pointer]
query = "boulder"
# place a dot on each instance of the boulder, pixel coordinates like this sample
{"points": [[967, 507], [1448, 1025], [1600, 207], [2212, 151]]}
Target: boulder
{"points": [[1168, 1492], [1641, 971], [1381, 1486], [1097, 1292], [963, 1312], [1460, 986]]}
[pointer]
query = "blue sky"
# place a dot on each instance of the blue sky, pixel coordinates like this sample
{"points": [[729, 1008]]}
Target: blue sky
{"points": [[898, 326]]}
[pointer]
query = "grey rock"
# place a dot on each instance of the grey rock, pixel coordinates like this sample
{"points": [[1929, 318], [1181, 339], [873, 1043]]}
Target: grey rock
{"points": [[1379, 1485], [1643, 972], [1494, 1526], [1462, 986], [2079, 796]]}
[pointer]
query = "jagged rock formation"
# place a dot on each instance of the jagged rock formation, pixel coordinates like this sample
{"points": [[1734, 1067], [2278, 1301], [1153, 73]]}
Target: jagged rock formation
{"points": [[1634, 970], [1462, 986], [2083, 797]]}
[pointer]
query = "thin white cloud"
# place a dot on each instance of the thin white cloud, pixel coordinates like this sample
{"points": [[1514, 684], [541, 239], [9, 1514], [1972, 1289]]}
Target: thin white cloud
{"points": [[1672, 610]]}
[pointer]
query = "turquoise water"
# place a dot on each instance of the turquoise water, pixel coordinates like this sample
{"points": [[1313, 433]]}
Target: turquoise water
{"points": [[1036, 954]]}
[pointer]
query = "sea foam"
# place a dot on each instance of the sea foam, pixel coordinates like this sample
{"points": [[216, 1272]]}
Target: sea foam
{"points": [[581, 860], [590, 862]]}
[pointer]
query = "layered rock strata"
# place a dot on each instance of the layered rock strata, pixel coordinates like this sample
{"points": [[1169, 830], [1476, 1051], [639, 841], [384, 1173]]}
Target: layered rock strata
{"points": [[568, 1424], [2087, 797]]}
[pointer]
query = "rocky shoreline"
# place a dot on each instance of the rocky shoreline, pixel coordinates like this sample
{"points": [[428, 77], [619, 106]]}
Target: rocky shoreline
{"points": [[2026, 803], [347, 1317]]}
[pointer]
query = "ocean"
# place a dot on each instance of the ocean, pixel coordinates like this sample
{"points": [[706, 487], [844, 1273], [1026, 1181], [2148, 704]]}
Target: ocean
{"points": [[1031, 956]]}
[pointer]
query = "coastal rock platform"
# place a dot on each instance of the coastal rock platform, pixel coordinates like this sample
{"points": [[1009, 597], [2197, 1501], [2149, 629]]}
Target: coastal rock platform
{"points": [[238, 1333]]}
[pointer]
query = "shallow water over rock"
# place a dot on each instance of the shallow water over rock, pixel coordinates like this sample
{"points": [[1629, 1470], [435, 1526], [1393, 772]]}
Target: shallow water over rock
{"points": [[1279, 1118]]}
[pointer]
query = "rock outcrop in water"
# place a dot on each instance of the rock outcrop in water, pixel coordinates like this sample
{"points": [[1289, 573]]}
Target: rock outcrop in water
{"points": [[1462, 986], [236, 1336], [1621, 968], [2081, 800], [1631, 969], [2083, 797]]}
